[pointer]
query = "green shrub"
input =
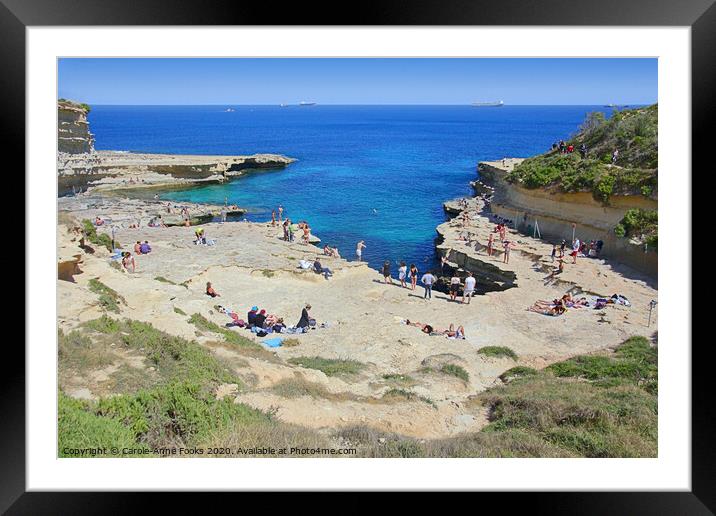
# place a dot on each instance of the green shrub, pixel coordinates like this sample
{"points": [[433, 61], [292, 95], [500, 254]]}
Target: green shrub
{"points": [[455, 370], [178, 413], [329, 366], [109, 299], [408, 395], [102, 239], [79, 428], [175, 357], [640, 224], [518, 372], [633, 132], [104, 324], [402, 379], [497, 352]]}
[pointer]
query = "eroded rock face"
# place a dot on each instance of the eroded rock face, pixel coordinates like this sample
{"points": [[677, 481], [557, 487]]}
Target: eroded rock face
{"points": [[73, 135], [556, 212]]}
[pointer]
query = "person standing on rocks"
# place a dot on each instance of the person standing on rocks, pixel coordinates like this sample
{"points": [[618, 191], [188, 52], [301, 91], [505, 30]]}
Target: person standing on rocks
{"points": [[469, 289], [427, 280], [273, 217], [280, 213], [359, 249], [443, 262], [506, 256], [386, 273], [402, 273], [454, 287], [575, 250], [490, 244], [413, 276]]}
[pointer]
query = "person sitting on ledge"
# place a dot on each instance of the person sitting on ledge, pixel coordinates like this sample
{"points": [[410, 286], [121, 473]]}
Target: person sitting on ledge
{"points": [[305, 320], [251, 316], [98, 221], [145, 248], [210, 290], [319, 269]]}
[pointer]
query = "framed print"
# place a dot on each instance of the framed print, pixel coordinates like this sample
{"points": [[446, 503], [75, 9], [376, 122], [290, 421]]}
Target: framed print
{"points": [[416, 250]]}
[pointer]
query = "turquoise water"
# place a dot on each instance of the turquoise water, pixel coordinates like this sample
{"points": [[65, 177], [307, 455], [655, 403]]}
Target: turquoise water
{"points": [[373, 173]]}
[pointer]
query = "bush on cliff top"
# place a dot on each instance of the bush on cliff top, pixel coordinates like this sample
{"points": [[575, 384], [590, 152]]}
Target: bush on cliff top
{"points": [[633, 132], [640, 225]]}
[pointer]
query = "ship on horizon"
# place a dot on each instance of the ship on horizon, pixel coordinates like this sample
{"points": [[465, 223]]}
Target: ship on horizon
{"points": [[498, 103], [305, 103]]}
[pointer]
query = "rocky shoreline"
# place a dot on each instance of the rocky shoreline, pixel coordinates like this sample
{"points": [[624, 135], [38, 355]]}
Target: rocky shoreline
{"points": [[118, 170]]}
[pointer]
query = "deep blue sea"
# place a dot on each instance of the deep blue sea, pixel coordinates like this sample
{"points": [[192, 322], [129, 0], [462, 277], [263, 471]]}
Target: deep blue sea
{"points": [[373, 173]]}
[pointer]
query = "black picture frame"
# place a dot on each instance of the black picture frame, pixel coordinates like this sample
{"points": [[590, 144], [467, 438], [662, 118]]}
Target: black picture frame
{"points": [[700, 15]]}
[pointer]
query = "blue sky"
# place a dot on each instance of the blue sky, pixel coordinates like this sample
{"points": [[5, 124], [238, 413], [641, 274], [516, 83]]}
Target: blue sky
{"points": [[358, 81]]}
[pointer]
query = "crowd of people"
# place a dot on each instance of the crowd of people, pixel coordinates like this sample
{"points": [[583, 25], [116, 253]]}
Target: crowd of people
{"points": [[559, 306], [262, 323]]}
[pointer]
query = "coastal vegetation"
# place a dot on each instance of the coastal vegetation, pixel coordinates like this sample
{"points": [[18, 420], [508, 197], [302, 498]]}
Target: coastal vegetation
{"points": [[102, 239], [497, 352], [407, 395], [587, 406], [400, 379], [329, 366], [633, 132], [81, 105], [109, 299], [203, 324], [455, 370], [641, 226]]}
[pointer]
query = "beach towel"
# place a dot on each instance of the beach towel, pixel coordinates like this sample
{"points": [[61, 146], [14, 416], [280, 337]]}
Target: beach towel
{"points": [[273, 343]]}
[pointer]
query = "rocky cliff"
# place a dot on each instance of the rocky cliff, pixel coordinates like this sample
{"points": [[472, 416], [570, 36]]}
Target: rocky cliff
{"points": [[73, 135], [554, 213], [79, 166], [112, 170]]}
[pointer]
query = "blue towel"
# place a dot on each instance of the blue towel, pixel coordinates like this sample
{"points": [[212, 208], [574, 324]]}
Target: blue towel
{"points": [[273, 343]]}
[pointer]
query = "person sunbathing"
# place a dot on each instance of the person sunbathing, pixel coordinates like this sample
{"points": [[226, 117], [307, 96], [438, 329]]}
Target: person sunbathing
{"points": [[552, 311], [453, 333], [425, 328], [555, 307]]}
